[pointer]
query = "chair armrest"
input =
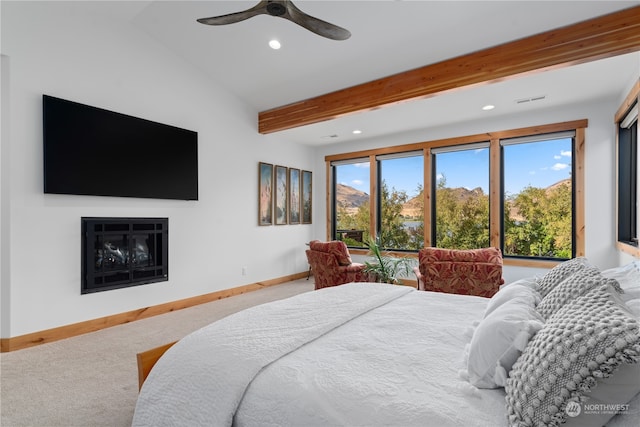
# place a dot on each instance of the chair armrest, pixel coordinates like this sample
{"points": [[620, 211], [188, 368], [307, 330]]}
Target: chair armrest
{"points": [[419, 278], [354, 267]]}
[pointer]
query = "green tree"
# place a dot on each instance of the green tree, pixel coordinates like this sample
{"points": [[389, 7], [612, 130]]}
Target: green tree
{"points": [[538, 222], [416, 234], [392, 230], [462, 217], [354, 221], [393, 234]]}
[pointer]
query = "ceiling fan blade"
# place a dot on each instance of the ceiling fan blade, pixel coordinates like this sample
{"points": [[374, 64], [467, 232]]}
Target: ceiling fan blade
{"points": [[315, 25], [259, 9]]}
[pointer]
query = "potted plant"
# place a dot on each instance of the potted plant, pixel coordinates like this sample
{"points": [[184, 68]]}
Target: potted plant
{"points": [[386, 268]]}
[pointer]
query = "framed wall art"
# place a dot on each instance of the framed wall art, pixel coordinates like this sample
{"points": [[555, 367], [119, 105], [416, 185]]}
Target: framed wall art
{"points": [[294, 196], [306, 191], [281, 205], [265, 194]]}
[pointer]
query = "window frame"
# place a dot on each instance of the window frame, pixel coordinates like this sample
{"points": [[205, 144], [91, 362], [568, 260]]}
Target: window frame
{"points": [[541, 137], [434, 184], [332, 182], [622, 244], [379, 158], [495, 177]]}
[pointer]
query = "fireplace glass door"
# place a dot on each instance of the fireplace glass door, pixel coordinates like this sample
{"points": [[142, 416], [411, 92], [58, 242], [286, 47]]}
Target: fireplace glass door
{"points": [[122, 252]]}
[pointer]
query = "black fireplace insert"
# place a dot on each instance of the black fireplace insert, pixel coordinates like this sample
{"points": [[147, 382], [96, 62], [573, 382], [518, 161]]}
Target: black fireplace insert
{"points": [[123, 252]]}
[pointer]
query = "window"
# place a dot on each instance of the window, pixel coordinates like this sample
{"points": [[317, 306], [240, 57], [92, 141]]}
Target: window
{"points": [[461, 203], [401, 201], [351, 204], [628, 178], [521, 190], [538, 196]]}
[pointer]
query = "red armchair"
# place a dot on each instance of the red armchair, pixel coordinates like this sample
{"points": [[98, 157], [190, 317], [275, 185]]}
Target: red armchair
{"points": [[467, 272], [331, 264]]}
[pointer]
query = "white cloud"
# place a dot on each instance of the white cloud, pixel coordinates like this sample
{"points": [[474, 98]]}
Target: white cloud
{"points": [[559, 166], [557, 157], [532, 172], [565, 153], [357, 182], [439, 177], [362, 165]]}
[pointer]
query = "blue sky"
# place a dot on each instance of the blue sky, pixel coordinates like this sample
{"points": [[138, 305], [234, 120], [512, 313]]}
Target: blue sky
{"points": [[539, 164]]}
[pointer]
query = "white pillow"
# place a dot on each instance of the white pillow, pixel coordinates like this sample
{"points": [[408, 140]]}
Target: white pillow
{"points": [[628, 276], [559, 273], [531, 282], [572, 287], [587, 353], [515, 290], [612, 392], [499, 340], [628, 418], [633, 305]]}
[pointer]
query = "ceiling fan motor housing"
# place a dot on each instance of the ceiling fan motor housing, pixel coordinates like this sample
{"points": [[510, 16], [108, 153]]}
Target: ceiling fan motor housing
{"points": [[276, 8]]}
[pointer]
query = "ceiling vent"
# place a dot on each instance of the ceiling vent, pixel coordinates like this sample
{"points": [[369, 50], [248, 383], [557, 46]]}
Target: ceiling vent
{"points": [[532, 99]]}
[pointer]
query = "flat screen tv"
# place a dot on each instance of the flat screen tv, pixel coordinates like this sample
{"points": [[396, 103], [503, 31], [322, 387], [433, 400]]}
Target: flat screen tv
{"points": [[91, 151]]}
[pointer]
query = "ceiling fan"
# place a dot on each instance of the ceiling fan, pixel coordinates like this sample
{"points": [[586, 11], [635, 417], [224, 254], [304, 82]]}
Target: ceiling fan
{"points": [[282, 9]]}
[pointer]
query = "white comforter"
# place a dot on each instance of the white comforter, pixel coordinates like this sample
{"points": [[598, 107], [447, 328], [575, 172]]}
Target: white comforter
{"points": [[353, 355]]}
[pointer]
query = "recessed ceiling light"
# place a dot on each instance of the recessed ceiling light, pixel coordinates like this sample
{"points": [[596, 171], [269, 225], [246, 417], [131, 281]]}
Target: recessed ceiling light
{"points": [[488, 107], [357, 132], [274, 44]]}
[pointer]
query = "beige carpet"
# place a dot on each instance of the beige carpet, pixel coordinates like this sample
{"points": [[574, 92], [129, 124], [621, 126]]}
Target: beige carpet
{"points": [[91, 380]]}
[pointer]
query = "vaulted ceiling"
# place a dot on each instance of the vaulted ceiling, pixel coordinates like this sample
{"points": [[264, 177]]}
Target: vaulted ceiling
{"points": [[388, 37]]}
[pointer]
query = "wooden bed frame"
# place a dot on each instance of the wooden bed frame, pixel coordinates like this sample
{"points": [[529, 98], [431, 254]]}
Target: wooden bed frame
{"points": [[147, 359]]}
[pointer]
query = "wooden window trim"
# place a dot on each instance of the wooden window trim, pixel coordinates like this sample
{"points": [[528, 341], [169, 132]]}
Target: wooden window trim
{"points": [[494, 191]]}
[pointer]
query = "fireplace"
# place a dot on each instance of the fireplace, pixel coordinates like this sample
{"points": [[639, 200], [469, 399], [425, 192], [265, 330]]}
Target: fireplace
{"points": [[123, 252]]}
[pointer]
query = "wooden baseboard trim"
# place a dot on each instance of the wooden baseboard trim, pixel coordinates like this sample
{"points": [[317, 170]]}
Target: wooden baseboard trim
{"points": [[75, 329]]}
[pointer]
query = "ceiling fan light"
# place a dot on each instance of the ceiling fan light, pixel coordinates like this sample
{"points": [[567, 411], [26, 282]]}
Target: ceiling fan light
{"points": [[274, 44]]}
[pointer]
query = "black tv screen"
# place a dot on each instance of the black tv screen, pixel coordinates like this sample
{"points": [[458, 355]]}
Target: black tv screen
{"points": [[91, 151]]}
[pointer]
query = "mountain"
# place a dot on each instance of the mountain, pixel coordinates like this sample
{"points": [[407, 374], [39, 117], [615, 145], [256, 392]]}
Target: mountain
{"points": [[350, 198], [552, 187], [515, 214], [412, 208]]}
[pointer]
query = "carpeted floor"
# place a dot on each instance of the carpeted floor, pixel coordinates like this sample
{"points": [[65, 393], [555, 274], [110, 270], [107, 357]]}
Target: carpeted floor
{"points": [[91, 380]]}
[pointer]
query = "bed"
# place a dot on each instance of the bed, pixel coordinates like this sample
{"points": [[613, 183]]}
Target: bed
{"points": [[369, 354]]}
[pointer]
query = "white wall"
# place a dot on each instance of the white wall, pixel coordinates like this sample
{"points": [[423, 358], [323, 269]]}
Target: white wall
{"points": [[600, 184], [55, 48], [75, 56]]}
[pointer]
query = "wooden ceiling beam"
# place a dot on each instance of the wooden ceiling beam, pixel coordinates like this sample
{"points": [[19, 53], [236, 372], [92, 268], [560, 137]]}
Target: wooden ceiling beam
{"points": [[602, 37]]}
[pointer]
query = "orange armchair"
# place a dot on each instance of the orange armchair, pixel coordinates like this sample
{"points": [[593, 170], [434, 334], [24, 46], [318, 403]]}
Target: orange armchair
{"points": [[331, 264], [467, 272]]}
